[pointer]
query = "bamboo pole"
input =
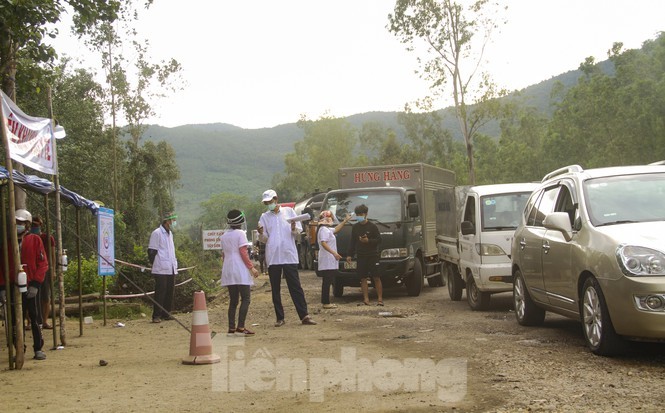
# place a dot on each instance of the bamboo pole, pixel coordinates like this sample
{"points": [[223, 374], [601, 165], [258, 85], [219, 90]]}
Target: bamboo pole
{"points": [[58, 232], [18, 306], [9, 320], [78, 268], [51, 269]]}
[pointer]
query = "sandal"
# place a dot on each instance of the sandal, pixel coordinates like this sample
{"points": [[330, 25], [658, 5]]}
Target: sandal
{"points": [[380, 303], [231, 332], [243, 332], [46, 326], [363, 303]]}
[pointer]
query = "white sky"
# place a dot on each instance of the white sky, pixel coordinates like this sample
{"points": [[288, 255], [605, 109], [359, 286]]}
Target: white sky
{"points": [[261, 63]]}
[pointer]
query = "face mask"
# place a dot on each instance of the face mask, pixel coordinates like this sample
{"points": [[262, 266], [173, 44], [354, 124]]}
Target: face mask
{"points": [[360, 218], [174, 224], [272, 206], [35, 230], [20, 229]]}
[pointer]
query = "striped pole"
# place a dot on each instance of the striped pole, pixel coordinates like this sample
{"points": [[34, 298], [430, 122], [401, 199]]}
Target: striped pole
{"points": [[200, 343]]}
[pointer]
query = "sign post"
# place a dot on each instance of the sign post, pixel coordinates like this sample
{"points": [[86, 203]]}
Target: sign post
{"points": [[106, 249]]}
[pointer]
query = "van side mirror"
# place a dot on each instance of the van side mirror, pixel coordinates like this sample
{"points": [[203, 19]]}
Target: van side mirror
{"points": [[413, 211], [467, 228], [559, 221]]}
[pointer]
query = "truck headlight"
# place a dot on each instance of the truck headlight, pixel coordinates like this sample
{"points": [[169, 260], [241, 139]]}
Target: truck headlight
{"points": [[394, 253], [487, 250], [640, 261]]}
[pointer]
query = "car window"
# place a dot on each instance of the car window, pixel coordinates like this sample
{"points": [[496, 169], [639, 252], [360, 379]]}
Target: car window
{"points": [[530, 210], [545, 205], [565, 203]]}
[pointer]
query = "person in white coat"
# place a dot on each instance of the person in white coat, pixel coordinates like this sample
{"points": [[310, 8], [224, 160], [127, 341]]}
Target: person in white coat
{"points": [[161, 253], [278, 229], [237, 272]]}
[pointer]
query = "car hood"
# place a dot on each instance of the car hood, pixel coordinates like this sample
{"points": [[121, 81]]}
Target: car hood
{"points": [[647, 234]]}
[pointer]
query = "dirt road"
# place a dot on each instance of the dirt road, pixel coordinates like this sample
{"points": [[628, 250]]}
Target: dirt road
{"points": [[428, 354]]}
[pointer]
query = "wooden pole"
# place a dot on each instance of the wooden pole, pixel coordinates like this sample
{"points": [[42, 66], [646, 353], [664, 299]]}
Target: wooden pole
{"points": [[9, 320], [78, 268], [18, 306], [51, 269], [58, 232]]}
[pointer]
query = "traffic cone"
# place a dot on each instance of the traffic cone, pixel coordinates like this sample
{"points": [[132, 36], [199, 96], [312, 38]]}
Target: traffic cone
{"points": [[200, 343]]}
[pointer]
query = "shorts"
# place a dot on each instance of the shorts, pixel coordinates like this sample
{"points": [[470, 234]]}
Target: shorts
{"points": [[45, 288], [368, 267]]}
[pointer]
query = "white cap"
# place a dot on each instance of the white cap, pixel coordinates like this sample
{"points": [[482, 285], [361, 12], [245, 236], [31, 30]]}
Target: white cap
{"points": [[269, 195]]}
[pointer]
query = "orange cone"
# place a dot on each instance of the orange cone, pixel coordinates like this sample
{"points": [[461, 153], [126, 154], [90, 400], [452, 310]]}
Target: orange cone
{"points": [[200, 343]]}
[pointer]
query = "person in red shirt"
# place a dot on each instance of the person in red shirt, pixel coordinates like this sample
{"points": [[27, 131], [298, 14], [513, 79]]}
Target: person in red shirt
{"points": [[35, 263], [45, 289]]}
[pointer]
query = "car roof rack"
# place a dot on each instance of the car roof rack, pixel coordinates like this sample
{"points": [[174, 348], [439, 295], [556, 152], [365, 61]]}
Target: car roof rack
{"points": [[561, 171]]}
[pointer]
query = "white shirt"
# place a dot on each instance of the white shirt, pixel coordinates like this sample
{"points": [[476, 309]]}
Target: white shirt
{"points": [[165, 262], [280, 240], [234, 270], [327, 261]]}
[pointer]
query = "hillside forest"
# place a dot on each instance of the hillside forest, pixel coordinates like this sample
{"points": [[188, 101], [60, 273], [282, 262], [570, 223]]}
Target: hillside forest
{"points": [[608, 117]]}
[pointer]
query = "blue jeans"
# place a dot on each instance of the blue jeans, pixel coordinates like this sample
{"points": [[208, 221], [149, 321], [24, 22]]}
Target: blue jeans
{"points": [[293, 283]]}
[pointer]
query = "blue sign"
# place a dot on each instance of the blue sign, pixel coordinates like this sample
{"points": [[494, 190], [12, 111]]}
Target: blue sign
{"points": [[105, 242]]}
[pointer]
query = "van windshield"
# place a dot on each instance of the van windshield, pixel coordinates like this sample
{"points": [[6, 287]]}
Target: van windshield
{"points": [[502, 212], [627, 198], [383, 206]]}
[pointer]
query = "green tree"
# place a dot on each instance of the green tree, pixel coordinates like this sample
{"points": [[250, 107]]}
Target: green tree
{"points": [[455, 39], [327, 145]]}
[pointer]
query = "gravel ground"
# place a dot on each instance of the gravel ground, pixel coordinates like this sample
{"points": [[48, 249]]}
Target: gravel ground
{"points": [[485, 362]]}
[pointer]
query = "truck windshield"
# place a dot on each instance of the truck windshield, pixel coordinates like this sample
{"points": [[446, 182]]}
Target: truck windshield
{"points": [[383, 206], [502, 212]]}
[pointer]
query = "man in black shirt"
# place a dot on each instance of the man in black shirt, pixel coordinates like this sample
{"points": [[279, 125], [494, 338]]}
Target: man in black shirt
{"points": [[365, 240]]}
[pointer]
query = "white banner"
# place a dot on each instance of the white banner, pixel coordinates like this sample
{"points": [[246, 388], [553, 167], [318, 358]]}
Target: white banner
{"points": [[30, 138]]}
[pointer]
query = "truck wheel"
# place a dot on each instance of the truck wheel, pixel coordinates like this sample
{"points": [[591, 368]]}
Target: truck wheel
{"points": [[455, 283], [477, 299], [437, 280], [414, 282], [338, 288], [309, 258], [301, 257]]}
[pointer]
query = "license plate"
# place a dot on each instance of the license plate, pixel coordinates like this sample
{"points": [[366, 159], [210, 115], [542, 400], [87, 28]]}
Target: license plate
{"points": [[350, 265]]}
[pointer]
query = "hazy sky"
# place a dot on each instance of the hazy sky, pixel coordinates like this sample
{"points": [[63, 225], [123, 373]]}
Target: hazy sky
{"points": [[261, 63]]}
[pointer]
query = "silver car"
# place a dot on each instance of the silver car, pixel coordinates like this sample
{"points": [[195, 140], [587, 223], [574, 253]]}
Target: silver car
{"points": [[591, 246]]}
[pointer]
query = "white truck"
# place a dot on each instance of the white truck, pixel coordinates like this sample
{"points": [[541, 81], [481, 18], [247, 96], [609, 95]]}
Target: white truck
{"points": [[403, 203], [475, 250]]}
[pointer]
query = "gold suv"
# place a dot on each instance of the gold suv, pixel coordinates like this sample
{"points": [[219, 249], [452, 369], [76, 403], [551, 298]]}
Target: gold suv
{"points": [[591, 246]]}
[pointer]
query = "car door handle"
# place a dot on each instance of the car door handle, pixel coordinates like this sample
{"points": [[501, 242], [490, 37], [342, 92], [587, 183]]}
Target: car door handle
{"points": [[522, 243], [546, 247]]}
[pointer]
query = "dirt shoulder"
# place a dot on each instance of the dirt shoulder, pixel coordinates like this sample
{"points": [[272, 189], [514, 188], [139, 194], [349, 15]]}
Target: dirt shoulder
{"points": [[430, 354]]}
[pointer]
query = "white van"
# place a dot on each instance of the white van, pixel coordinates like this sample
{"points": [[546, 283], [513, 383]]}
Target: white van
{"points": [[477, 256]]}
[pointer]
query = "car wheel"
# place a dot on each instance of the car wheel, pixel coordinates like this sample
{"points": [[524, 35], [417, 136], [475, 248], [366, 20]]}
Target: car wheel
{"points": [[437, 280], [455, 284], [338, 288], [526, 311], [477, 299], [598, 329], [414, 281]]}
